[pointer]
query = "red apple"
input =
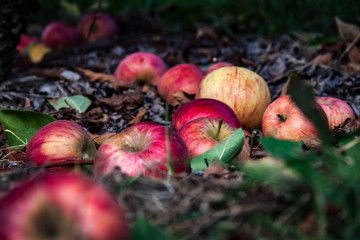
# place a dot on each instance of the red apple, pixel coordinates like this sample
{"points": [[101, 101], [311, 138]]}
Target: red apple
{"points": [[25, 41], [141, 67], [141, 149], [243, 90], [218, 65], [61, 206], [105, 27], [59, 141], [58, 34], [185, 77], [201, 134], [204, 107], [284, 120], [336, 110]]}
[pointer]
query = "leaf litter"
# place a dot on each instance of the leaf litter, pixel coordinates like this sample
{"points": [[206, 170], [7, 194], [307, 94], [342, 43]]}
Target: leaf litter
{"points": [[193, 207]]}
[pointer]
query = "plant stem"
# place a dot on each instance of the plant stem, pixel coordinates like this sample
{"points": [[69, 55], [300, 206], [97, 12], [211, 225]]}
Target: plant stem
{"points": [[282, 118], [221, 120]]}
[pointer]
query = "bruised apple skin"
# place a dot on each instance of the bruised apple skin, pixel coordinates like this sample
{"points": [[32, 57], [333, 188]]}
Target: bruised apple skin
{"points": [[204, 107], [185, 77], [59, 141], [284, 120], [61, 206], [105, 27], [243, 90], [141, 67], [336, 110], [200, 135], [142, 150]]}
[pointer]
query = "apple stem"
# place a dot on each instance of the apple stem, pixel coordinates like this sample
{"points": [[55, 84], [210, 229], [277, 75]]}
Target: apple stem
{"points": [[282, 118], [218, 129]]}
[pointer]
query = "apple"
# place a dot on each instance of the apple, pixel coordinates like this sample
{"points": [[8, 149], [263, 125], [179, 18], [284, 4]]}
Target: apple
{"points": [[25, 41], [61, 206], [336, 110], [140, 67], [204, 107], [105, 27], [218, 65], [57, 35], [59, 141], [142, 149], [243, 90], [185, 77], [284, 120], [201, 134]]}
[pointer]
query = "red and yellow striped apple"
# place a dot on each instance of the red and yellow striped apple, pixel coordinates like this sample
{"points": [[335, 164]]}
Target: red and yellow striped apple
{"points": [[142, 149], [218, 65], [284, 120], [59, 141], [185, 77], [141, 67], [57, 35], [243, 90], [204, 107], [336, 110], [105, 26], [61, 206], [201, 134]]}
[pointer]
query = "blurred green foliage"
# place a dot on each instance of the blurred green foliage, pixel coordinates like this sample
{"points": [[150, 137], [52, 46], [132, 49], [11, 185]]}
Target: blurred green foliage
{"points": [[259, 16]]}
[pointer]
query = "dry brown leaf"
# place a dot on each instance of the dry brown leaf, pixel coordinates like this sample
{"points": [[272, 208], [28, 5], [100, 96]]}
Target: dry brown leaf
{"points": [[285, 87], [180, 97], [323, 59], [123, 101], [216, 168], [103, 77], [206, 31], [348, 32], [46, 72], [311, 142], [99, 139], [354, 55], [139, 116], [353, 67]]}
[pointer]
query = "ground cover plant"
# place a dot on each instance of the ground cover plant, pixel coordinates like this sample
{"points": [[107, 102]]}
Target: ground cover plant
{"points": [[304, 189]]}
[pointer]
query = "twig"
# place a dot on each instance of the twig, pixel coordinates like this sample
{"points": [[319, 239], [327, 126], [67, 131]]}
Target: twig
{"points": [[90, 30], [346, 52]]}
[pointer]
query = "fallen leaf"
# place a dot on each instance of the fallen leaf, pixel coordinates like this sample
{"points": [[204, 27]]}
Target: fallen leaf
{"points": [[216, 168], [37, 52], [103, 77], [99, 139], [123, 101], [323, 59], [180, 97], [284, 90], [354, 55], [139, 116], [353, 67], [348, 32]]}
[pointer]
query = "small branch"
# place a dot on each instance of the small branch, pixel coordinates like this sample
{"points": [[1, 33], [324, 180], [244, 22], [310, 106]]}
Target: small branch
{"points": [[346, 52], [90, 30]]}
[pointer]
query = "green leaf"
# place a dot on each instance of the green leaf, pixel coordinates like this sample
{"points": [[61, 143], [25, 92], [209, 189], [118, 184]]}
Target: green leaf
{"points": [[20, 126], [225, 152], [282, 148], [78, 102], [274, 173], [143, 229], [302, 95]]}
